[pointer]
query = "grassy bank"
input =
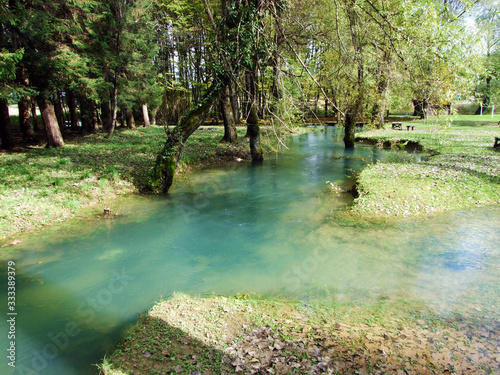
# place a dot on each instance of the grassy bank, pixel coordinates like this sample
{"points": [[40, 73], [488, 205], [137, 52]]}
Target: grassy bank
{"points": [[246, 334], [461, 169], [40, 186]]}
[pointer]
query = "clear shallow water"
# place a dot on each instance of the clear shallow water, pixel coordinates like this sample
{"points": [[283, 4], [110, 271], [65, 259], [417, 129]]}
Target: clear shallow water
{"points": [[231, 230]]}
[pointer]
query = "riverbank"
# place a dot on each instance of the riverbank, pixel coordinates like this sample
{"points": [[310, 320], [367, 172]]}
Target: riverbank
{"points": [[460, 168], [41, 186], [249, 334]]}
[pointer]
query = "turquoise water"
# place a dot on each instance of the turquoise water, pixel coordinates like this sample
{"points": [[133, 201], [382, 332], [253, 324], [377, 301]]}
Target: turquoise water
{"points": [[233, 229]]}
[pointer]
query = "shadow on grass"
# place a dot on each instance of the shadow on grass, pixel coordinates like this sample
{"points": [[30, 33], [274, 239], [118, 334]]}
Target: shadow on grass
{"points": [[153, 346], [129, 155]]}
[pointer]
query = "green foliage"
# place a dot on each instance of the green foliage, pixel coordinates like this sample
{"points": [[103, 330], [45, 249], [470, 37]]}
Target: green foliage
{"points": [[8, 70], [8, 63], [390, 52]]}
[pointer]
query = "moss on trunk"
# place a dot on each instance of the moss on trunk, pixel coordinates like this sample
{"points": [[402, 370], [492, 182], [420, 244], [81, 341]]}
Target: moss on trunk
{"points": [[167, 160]]}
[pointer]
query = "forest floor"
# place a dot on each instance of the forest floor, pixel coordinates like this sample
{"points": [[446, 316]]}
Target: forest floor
{"points": [[254, 335], [457, 168]]}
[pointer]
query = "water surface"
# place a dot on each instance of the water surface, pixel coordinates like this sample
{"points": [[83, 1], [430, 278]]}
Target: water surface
{"points": [[233, 229]]}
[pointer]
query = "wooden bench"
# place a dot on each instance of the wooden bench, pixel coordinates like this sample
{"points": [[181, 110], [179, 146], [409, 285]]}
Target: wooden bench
{"points": [[397, 126], [410, 126], [497, 142], [360, 125]]}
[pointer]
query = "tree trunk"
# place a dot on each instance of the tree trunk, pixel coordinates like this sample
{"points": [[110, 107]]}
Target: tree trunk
{"points": [[72, 110], [25, 120], [121, 116], [233, 93], [89, 116], [349, 130], [153, 115], [378, 110], [5, 126], [84, 116], [355, 107], [114, 106], [145, 115], [420, 108], [94, 117], [316, 102], [33, 114], [253, 129], [227, 117], [326, 104], [58, 110], [107, 119], [167, 160], [277, 74], [54, 137], [24, 108], [129, 115]]}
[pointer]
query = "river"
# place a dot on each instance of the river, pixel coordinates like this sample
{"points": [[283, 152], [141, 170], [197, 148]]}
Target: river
{"points": [[267, 228]]}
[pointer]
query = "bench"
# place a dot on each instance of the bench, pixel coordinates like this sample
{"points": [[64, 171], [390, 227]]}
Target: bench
{"points": [[497, 142], [397, 126], [360, 125], [410, 126]]}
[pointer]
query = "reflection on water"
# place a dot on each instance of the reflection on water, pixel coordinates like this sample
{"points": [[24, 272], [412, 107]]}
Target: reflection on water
{"points": [[236, 229]]}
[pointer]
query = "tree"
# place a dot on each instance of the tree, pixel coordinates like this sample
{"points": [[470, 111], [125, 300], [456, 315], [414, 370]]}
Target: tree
{"points": [[24, 105], [43, 31], [241, 47], [183, 51], [227, 113], [8, 63], [488, 22], [11, 54]]}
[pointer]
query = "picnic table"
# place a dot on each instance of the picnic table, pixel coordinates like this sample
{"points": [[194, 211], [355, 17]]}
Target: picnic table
{"points": [[399, 126]]}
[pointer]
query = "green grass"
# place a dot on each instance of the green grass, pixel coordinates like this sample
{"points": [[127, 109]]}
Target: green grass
{"points": [[43, 186], [461, 170]]}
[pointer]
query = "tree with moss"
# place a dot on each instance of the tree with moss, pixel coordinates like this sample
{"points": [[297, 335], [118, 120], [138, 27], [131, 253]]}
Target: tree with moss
{"points": [[242, 40]]}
